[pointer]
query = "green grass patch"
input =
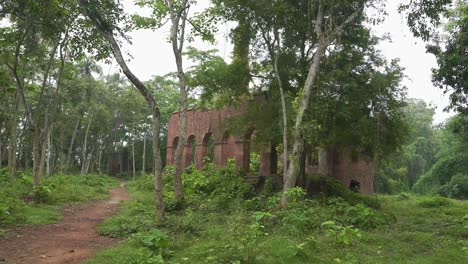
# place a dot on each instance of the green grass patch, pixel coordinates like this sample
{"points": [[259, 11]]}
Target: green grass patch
{"points": [[23, 204], [223, 222]]}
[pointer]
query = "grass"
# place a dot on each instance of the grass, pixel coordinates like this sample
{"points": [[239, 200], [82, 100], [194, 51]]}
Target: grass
{"points": [[21, 204], [405, 229]]}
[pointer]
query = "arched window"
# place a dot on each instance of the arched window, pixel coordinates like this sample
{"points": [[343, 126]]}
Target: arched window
{"points": [[190, 150], [208, 148], [251, 153], [227, 148]]}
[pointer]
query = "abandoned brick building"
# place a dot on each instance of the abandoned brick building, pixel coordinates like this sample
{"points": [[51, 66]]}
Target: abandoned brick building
{"points": [[205, 126]]}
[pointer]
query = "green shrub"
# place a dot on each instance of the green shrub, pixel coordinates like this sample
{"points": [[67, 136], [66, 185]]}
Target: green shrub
{"points": [[449, 166], [42, 193], [12, 210], [403, 196], [332, 188], [435, 201], [456, 188], [156, 241], [136, 215], [426, 184], [217, 189], [21, 203], [343, 235]]}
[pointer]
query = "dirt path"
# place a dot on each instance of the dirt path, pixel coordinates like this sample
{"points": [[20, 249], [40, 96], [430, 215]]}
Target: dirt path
{"points": [[72, 240]]}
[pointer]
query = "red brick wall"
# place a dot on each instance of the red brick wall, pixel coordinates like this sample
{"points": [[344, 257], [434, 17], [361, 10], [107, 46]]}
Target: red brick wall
{"points": [[340, 164], [201, 123]]}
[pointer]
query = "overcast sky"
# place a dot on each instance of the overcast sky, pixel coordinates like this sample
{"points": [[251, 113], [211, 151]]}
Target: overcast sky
{"points": [[152, 54]]}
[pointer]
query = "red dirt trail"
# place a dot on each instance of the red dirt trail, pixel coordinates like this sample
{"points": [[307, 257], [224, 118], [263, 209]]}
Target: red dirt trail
{"points": [[70, 241]]}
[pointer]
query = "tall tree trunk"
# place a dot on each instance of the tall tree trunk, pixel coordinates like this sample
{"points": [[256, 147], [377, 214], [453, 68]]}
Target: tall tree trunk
{"points": [[298, 143], [13, 144], [27, 155], [89, 160], [70, 148], [324, 40], [49, 152], [107, 32], [143, 156], [283, 110], [1, 146], [157, 167], [83, 154], [44, 140], [99, 160], [179, 18], [133, 159], [36, 158]]}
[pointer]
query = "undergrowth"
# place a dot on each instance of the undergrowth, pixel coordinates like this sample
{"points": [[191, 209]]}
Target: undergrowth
{"points": [[23, 204], [222, 220]]}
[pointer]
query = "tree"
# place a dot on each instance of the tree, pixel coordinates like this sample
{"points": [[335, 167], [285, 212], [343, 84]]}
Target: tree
{"points": [[330, 23], [176, 11], [451, 74], [104, 16]]}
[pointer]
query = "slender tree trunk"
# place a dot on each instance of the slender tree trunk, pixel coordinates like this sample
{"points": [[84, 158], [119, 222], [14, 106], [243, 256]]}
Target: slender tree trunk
{"points": [[70, 148], [49, 152], [298, 143], [133, 159], [83, 155], [108, 34], [36, 158], [285, 117], [1, 147], [143, 158], [178, 18], [99, 160], [178, 164], [44, 140], [89, 160], [324, 40], [157, 167], [27, 155], [13, 144]]}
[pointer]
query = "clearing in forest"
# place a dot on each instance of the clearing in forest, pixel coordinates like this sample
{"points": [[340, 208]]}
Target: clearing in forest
{"points": [[72, 240]]}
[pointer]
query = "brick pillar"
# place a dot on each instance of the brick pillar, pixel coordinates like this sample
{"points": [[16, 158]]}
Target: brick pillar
{"points": [[265, 162], [200, 150], [187, 155], [242, 156], [218, 154]]}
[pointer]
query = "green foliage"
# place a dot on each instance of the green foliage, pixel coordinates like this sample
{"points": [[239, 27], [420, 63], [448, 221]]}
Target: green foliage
{"points": [[12, 210], [127, 252], [343, 234], [457, 187], [42, 193], [332, 188], [451, 58], [436, 201], [156, 241], [447, 167], [23, 204], [135, 216], [252, 229], [220, 188]]}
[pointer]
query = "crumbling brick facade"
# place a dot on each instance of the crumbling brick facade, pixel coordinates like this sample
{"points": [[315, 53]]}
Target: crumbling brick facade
{"points": [[205, 124]]}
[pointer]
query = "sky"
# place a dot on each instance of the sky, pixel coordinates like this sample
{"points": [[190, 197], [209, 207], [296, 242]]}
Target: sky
{"points": [[150, 53]]}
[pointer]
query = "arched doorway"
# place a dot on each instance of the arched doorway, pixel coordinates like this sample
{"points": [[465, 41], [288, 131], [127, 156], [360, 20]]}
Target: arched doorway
{"points": [[207, 151], [251, 153], [227, 148], [189, 151]]}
